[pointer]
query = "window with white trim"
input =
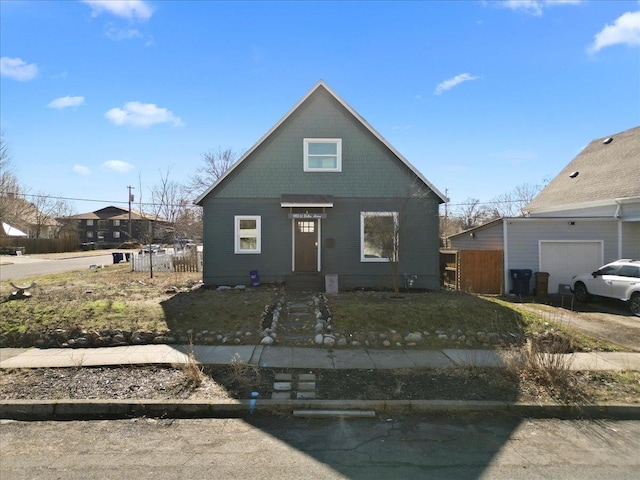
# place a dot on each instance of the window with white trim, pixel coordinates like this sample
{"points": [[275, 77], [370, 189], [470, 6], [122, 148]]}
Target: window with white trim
{"points": [[247, 234], [378, 236], [322, 154], [116, 223], [116, 234], [89, 223]]}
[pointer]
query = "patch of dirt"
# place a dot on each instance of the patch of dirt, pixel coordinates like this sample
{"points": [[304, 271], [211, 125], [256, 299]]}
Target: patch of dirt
{"points": [[148, 383], [603, 318], [165, 383]]}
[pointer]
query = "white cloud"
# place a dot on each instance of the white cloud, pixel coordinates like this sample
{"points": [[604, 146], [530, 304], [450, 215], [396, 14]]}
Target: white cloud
{"points": [[64, 102], [129, 9], [117, 166], [119, 34], [136, 114], [534, 7], [81, 170], [452, 82], [624, 31], [18, 69]]}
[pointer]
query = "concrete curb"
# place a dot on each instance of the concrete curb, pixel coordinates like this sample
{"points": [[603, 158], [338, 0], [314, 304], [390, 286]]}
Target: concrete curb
{"points": [[33, 410]]}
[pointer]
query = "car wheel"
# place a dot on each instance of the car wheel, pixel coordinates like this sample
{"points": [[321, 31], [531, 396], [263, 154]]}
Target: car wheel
{"points": [[581, 293], [634, 304]]}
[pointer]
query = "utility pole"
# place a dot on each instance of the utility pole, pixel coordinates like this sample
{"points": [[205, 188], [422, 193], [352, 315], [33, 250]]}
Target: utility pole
{"points": [[446, 216], [130, 200]]}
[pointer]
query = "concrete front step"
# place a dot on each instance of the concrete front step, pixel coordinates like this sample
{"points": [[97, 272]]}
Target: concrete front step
{"points": [[305, 386], [304, 283]]}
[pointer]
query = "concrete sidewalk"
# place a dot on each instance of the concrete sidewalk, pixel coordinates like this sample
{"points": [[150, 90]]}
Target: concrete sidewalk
{"points": [[289, 357], [285, 358]]}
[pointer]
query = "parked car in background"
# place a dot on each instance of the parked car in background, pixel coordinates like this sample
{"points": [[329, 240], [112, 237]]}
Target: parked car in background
{"points": [[619, 279], [155, 249]]}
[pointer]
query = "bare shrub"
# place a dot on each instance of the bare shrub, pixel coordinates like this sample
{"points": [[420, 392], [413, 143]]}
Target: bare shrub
{"points": [[192, 369], [543, 367], [242, 373]]}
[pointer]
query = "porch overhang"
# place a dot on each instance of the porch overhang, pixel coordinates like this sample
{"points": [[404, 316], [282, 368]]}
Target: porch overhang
{"points": [[306, 201]]}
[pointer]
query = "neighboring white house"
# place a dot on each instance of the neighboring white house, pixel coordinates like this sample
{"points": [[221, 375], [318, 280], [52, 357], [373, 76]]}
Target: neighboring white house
{"points": [[588, 215], [10, 231]]}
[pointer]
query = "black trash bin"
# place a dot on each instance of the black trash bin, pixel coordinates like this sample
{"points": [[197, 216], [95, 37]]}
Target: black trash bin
{"points": [[520, 279], [117, 257]]}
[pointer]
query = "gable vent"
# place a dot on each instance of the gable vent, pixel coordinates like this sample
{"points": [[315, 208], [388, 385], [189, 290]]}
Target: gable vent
{"points": [[607, 141]]}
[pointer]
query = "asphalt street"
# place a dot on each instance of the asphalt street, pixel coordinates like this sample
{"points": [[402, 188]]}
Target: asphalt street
{"points": [[283, 447], [15, 268]]}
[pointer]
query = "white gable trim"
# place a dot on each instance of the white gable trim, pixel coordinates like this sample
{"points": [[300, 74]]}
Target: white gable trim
{"points": [[319, 84]]}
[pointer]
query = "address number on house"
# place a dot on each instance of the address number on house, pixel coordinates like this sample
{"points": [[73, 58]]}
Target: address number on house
{"points": [[308, 216]]}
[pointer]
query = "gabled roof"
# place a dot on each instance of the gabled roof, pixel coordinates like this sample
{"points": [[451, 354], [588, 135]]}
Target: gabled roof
{"points": [[109, 213], [484, 226], [606, 170], [12, 231], [321, 84]]}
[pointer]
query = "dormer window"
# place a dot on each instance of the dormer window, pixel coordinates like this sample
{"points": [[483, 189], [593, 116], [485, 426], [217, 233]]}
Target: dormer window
{"points": [[322, 154]]}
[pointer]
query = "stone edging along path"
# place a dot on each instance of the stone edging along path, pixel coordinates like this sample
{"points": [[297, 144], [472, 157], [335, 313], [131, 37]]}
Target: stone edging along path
{"points": [[292, 320]]}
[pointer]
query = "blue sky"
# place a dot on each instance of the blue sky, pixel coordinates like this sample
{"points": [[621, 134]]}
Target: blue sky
{"points": [[480, 96]]}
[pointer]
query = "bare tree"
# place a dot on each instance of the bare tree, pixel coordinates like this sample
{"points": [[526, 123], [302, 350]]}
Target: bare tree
{"points": [[472, 213], [166, 198], [216, 163], [385, 232], [12, 205], [189, 222], [43, 215], [381, 241], [172, 205], [510, 204]]}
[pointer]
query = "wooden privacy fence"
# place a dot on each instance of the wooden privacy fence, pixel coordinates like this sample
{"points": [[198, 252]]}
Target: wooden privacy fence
{"points": [[188, 262], [41, 245], [472, 271]]}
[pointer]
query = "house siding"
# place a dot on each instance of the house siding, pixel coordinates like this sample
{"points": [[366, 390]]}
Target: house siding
{"points": [[631, 240], [373, 178], [524, 236], [489, 238], [340, 255], [276, 166]]}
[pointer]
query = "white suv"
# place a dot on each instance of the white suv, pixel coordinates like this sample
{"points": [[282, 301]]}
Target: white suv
{"points": [[620, 279]]}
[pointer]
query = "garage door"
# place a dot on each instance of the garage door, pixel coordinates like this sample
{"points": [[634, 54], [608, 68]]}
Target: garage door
{"points": [[563, 260]]}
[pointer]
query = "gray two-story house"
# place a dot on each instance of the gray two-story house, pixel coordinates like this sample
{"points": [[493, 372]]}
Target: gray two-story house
{"points": [[322, 193]]}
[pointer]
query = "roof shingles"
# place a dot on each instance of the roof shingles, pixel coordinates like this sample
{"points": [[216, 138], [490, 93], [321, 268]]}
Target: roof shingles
{"points": [[605, 171]]}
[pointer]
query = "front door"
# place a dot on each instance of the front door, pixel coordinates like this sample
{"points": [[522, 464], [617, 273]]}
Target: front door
{"points": [[306, 245]]}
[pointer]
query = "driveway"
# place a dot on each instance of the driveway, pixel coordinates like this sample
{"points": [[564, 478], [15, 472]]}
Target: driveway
{"points": [[603, 318]]}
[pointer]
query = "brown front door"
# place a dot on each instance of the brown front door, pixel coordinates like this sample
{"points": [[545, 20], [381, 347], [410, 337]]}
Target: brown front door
{"points": [[306, 245]]}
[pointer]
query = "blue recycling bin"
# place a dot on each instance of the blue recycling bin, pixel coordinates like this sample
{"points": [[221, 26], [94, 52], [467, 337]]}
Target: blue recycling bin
{"points": [[255, 278], [117, 257], [520, 278]]}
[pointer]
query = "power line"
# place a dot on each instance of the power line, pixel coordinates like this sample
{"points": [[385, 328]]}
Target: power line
{"points": [[153, 204], [110, 202]]}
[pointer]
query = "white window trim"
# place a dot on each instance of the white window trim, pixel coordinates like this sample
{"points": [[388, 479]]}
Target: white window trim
{"points": [[337, 141], [364, 215], [236, 239]]}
